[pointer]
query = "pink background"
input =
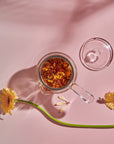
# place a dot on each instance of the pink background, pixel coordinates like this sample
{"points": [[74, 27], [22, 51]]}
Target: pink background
{"points": [[28, 30]]}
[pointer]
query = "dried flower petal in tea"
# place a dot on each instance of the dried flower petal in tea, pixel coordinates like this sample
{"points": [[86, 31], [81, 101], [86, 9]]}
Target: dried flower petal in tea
{"points": [[56, 72]]}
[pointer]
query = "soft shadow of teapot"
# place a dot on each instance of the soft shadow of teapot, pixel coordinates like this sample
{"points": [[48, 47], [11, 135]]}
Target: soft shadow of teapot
{"points": [[25, 84]]}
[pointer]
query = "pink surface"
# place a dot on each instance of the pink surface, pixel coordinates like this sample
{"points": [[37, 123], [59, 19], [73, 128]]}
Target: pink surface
{"points": [[30, 29]]}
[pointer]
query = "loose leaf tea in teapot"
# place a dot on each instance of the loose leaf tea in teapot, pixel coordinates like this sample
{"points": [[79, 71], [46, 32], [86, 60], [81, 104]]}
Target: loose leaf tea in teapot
{"points": [[56, 72]]}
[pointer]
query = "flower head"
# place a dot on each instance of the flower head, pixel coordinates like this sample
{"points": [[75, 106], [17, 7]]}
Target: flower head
{"points": [[109, 100], [7, 98]]}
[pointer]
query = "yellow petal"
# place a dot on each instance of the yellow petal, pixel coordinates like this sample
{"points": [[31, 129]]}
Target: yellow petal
{"points": [[63, 108], [62, 98], [109, 100], [60, 103], [110, 105]]}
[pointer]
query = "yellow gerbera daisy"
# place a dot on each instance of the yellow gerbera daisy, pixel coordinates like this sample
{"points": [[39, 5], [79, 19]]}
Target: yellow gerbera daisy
{"points": [[7, 98], [109, 100]]}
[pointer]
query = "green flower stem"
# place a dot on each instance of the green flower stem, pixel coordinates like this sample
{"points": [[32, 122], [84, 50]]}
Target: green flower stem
{"points": [[64, 123]]}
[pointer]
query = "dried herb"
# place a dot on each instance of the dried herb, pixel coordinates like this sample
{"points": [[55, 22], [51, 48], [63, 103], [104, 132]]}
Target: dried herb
{"points": [[56, 72]]}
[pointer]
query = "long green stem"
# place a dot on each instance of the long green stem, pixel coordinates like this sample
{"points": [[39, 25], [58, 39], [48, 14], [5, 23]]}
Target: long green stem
{"points": [[64, 123]]}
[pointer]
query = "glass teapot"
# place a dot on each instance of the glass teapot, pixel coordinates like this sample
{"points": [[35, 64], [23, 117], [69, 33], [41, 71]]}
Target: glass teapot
{"points": [[56, 72]]}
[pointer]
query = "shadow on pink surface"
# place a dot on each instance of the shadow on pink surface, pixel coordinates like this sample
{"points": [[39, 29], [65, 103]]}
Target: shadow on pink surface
{"points": [[26, 86], [82, 10], [63, 14], [49, 12]]}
